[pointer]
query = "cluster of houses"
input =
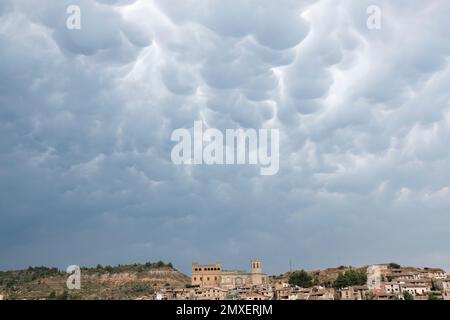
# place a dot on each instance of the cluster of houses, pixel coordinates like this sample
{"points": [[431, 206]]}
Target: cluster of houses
{"points": [[419, 284], [260, 292], [386, 283]]}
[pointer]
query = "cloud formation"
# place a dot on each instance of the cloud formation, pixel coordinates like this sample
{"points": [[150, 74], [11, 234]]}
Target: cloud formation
{"points": [[86, 117]]}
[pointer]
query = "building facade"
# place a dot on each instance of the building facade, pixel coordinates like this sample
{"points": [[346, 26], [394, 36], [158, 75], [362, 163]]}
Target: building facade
{"points": [[214, 276], [206, 275]]}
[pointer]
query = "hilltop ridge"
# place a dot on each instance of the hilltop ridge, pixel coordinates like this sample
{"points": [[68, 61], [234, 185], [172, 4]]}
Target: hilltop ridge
{"points": [[128, 281]]}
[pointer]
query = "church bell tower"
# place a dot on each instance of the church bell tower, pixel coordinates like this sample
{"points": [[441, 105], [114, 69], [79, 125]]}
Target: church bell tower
{"points": [[256, 266]]}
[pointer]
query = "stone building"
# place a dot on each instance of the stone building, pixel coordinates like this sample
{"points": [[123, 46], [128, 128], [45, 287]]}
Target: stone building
{"points": [[435, 273], [210, 293], [206, 275], [214, 276]]}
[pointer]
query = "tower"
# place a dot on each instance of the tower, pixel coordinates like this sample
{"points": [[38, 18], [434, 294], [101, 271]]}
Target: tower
{"points": [[256, 266], [258, 278]]}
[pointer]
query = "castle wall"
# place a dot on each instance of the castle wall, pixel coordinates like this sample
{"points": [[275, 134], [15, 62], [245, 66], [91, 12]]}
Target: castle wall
{"points": [[206, 275]]}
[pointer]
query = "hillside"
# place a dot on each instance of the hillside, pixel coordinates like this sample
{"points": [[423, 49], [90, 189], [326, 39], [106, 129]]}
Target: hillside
{"points": [[109, 282], [326, 277]]}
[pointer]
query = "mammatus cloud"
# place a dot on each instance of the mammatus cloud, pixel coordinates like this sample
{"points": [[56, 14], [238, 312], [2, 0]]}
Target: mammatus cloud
{"points": [[86, 118]]}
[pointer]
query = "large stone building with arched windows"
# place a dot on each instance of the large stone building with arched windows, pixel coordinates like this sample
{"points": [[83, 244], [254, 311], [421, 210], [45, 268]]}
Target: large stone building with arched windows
{"points": [[214, 276]]}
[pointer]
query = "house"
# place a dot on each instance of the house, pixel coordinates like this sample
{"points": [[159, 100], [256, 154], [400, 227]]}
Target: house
{"points": [[435, 273], [266, 291], [176, 294], [254, 296], [354, 293], [346, 294], [243, 290], [415, 289], [314, 293], [392, 287], [286, 293], [424, 282], [281, 285], [322, 294], [210, 293], [414, 275], [385, 296], [184, 294], [301, 294]]}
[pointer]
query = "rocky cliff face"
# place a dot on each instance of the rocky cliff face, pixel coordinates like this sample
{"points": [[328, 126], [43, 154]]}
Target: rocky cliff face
{"points": [[119, 282]]}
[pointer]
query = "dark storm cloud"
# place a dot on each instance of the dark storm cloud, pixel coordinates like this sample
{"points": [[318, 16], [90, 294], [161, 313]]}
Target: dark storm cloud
{"points": [[86, 117]]}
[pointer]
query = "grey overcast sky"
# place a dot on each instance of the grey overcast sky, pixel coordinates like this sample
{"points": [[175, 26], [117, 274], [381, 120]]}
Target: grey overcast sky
{"points": [[86, 117]]}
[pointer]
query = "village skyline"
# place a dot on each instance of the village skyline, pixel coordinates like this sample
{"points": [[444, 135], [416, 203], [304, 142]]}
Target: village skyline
{"points": [[162, 281], [304, 133]]}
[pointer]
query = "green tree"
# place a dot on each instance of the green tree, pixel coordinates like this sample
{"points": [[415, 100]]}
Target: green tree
{"points": [[394, 265], [301, 278], [350, 278], [408, 296], [432, 296]]}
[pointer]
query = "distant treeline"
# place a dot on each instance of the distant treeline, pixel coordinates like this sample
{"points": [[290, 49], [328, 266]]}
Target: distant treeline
{"points": [[136, 267], [9, 279], [345, 279]]}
